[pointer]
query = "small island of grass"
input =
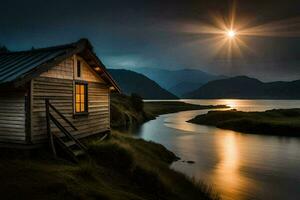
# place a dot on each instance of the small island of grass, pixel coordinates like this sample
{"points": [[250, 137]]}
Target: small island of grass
{"points": [[282, 122]]}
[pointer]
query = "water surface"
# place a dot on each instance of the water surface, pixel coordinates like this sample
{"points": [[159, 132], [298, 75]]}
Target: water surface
{"points": [[239, 166]]}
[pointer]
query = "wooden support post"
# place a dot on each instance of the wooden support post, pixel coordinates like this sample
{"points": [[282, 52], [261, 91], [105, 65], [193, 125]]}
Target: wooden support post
{"points": [[50, 136]]}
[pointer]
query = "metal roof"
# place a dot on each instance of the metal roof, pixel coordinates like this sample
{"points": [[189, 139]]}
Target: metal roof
{"points": [[15, 66]]}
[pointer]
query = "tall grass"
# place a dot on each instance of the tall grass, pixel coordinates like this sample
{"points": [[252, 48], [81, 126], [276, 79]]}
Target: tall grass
{"points": [[146, 166]]}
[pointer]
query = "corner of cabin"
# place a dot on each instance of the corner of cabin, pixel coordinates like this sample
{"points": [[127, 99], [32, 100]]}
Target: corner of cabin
{"points": [[78, 92]]}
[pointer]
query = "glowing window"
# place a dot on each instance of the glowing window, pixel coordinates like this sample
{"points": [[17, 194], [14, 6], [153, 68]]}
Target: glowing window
{"points": [[81, 98]]}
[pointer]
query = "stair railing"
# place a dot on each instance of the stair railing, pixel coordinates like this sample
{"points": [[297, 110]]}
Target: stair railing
{"points": [[49, 118]]}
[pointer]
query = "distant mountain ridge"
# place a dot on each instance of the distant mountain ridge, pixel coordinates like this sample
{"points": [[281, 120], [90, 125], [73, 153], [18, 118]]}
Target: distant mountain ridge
{"points": [[133, 82], [177, 81], [184, 87], [244, 87]]}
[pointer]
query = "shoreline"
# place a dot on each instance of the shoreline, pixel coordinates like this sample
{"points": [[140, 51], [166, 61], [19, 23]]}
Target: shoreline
{"points": [[158, 108], [150, 111], [276, 122], [129, 112]]}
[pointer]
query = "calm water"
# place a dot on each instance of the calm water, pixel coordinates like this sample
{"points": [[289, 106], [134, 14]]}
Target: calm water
{"points": [[239, 166]]}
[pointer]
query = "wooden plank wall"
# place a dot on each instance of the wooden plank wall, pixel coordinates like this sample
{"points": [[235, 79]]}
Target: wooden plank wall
{"points": [[60, 90], [63, 71], [87, 74], [12, 117]]}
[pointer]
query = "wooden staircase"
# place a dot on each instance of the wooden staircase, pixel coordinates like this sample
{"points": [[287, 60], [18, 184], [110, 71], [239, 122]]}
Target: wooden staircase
{"points": [[72, 146]]}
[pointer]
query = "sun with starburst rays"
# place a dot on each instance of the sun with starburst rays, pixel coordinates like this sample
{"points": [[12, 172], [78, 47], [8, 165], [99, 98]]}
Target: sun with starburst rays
{"points": [[227, 34], [231, 34], [229, 37]]}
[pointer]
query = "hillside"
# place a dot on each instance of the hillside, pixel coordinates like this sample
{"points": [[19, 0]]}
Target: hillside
{"points": [[175, 78], [132, 82], [244, 87], [184, 87]]}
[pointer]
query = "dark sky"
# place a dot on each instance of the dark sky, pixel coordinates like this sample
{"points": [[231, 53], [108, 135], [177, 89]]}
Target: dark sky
{"points": [[128, 34]]}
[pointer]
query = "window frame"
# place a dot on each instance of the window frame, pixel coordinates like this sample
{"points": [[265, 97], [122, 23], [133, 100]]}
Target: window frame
{"points": [[86, 99]]}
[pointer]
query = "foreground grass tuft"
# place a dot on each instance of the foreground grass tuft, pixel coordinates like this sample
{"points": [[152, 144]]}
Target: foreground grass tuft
{"points": [[112, 154]]}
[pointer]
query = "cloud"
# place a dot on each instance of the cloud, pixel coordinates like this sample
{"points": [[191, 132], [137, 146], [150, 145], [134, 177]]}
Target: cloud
{"points": [[126, 61]]}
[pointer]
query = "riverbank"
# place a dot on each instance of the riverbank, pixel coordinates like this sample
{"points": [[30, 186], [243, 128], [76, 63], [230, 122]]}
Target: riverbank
{"points": [[119, 168], [131, 111], [166, 107], [128, 112], [281, 122]]}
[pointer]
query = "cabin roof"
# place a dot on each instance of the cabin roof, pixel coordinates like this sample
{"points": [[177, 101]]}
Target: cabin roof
{"points": [[19, 67]]}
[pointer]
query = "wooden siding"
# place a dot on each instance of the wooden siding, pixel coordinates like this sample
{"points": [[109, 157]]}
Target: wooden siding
{"points": [[87, 74], [60, 93], [68, 70], [12, 117], [63, 71]]}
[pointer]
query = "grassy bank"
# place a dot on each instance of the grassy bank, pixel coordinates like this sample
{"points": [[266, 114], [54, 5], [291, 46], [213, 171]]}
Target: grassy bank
{"points": [[145, 162], [165, 107], [120, 168], [128, 111], [283, 122]]}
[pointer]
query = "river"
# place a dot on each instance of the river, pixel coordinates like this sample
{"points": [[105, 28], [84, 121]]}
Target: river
{"points": [[238, 166]]}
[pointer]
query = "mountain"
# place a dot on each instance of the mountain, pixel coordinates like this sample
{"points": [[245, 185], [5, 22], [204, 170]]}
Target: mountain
{"points": [[184, 87], [132, 82], [244, 87], [171, 78]]}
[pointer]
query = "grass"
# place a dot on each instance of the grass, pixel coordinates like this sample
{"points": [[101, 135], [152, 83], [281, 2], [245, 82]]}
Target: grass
{"points": [[124, 114], [120, 168], [130, 112], [165, 107], [283, 122], [146, 165]]}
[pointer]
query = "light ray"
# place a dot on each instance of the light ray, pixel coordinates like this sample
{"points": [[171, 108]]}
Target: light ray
{"points": [[228, 34], [232, 17], [282, 28]]}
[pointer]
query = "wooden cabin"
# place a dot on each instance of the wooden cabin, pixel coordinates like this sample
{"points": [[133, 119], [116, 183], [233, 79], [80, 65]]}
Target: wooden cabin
{"points": [[71, 77]]}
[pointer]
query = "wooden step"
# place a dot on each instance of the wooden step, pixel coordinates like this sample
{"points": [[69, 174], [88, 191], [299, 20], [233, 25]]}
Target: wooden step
{"points": [[78, 152], [70, 143], [65, 139]]}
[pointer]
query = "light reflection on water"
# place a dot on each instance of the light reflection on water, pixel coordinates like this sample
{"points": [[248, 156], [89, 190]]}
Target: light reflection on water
{"points": [[239, 166]]}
